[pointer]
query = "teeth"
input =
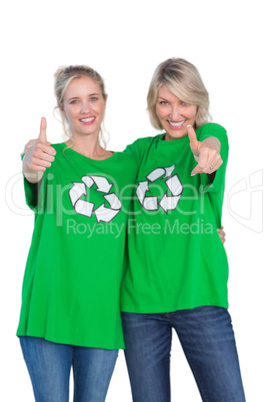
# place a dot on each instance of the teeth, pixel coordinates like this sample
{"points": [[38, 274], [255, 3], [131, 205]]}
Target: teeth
{"points": [[177, 124], [88, 120]]}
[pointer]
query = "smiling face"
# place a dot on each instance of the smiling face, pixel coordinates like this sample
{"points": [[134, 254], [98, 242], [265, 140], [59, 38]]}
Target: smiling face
{"points": [[174, 114], [83, 106]]}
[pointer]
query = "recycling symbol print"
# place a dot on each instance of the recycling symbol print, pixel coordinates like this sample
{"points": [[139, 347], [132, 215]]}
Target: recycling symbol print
{"points": [[86, 208], [167, 202]]}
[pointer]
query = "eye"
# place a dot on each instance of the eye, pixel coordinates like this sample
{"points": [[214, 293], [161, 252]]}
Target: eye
{"points": [[184, 103], [163, 103], [73, 102], [93, 99]]}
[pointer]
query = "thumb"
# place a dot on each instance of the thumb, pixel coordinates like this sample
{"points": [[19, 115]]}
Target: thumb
{"points": [[194, 144], [43, 132]]}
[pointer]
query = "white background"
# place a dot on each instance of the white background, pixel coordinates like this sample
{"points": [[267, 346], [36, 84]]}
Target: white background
{"points": [[125, 41]]}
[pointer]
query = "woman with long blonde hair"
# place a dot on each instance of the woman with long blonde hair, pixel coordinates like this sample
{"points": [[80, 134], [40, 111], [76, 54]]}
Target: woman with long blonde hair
{"points": [[70, 314]]}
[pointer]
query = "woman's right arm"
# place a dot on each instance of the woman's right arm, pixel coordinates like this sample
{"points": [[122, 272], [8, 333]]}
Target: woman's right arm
{"points": [[38, 156]]}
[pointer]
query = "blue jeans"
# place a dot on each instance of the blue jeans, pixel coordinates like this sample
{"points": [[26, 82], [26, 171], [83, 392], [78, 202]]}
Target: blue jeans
{"points": [[207, 339], [49, 365]]}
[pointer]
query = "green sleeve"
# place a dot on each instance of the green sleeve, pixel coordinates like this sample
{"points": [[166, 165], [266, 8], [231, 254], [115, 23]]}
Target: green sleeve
{"points": [[34, 192], [215, 181], [31, 191]]}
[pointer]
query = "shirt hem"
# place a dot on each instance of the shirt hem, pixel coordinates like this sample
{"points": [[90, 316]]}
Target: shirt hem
{"points": [[73, 342], [169, 309]]}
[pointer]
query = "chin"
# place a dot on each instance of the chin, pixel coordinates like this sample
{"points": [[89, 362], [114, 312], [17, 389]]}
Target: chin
{"points": [[176, 135]]}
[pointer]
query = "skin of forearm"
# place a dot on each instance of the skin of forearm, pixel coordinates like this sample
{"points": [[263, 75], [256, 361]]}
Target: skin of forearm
{"points": [[32, 176], [212, 142]]}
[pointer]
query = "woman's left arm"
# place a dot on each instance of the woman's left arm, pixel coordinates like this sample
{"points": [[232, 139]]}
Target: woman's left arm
{"points": [[206, 153]]}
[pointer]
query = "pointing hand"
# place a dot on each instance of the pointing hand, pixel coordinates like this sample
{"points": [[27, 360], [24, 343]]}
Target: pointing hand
{"points": [[206, 153]]}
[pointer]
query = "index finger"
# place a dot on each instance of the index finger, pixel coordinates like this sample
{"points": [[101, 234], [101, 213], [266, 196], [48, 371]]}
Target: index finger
{"points": [[192, 136]]}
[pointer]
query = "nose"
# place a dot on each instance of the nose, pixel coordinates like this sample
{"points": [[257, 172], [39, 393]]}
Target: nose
{"points": [[175, 113], [85, 108]]}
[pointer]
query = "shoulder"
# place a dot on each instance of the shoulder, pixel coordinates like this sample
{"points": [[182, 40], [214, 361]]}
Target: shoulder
{"points": [[143, 143], [59, 146], [209, 127], [62, 151], [126, 160], [212, 130]]}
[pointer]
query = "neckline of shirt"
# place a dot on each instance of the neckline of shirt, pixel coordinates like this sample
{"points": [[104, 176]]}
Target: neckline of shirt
{"points": [[174, 142], [64, 147]]}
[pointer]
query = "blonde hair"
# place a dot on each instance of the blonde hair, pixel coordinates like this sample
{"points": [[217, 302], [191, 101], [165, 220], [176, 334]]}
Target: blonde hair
{"points": [[63, 77], [183, 80]]}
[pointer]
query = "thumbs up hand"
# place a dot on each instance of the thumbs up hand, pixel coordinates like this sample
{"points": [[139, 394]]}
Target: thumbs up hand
{"points": [[206, 153], [39, 155]]}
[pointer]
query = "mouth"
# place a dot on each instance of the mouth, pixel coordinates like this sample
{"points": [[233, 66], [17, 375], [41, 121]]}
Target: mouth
{"points": [[176, 124], [87, 120]]}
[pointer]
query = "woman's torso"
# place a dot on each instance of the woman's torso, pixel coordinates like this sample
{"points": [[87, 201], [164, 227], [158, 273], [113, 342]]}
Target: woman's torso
{"points": [[176, 259], [75, 263]]}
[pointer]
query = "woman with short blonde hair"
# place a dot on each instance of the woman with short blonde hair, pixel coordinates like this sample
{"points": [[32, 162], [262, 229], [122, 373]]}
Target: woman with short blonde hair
{"points": [[177, 271], [184, 80]]}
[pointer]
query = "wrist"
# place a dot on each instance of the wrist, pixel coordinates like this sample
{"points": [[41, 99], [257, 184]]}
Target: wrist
{"points": [[32, 176]]}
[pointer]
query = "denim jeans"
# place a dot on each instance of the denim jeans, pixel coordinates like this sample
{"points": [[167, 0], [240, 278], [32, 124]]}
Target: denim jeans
{"points": [[207, 339], [49, 365]]}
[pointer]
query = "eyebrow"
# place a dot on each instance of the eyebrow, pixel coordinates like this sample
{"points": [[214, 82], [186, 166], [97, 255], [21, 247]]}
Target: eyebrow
{"points": [[76, 97]]}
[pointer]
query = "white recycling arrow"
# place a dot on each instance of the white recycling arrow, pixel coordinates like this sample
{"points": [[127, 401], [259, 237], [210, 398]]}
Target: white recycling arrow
{"points": [[141, 190], [102, 183], [81, 207], [113, 200], [105, 214], [155, 174], [150, 203], [169, 203], [77, 191], [169, 170], [88, 181], [174, 185], [158, 172]]}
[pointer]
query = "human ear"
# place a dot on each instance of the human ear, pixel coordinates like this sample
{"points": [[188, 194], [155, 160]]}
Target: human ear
{"points": [[61, 108]]}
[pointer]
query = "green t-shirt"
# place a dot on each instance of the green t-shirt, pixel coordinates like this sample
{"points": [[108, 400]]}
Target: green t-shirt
{"points": [[71, 288], [176, 258]]}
